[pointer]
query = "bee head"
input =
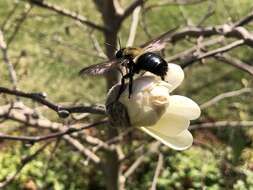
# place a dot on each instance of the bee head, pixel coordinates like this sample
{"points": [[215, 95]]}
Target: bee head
{"points": [[119, 53]]}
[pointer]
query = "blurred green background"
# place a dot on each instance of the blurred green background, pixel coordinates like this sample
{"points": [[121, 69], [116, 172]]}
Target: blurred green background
{"points": [[54, 48]]}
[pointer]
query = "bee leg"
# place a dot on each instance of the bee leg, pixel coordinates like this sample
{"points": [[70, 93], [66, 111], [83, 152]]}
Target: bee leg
{"points": [[131, 75], [120, 71], [121, 89], [130, 89], [122, 85]]}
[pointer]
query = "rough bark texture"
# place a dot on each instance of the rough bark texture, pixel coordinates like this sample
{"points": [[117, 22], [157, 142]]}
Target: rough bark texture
{"points": [[111, 21]]}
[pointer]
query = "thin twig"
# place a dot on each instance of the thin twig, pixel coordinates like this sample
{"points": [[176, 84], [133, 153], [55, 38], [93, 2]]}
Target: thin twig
{"points": [[173, 2], [20, 21], [84, 151], [97, 47], [222, 96], [68, 131], [25, 115], [220, 124], [67, 13], [235, 62], [131, 8], [211, 53], [62, 111], [157, 171], [8, 17], [133, 28], [12, 72], [209, 13], [226, 30], [153, 147]]}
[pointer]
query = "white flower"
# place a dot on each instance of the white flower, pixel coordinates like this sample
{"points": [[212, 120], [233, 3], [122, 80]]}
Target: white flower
{"points": [[153, 110]]}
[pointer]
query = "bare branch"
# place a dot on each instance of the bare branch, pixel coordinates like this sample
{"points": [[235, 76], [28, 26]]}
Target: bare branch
{"points": [[67, 13], [131, 8], [244, 21], [201, 56], [84, 151], [62, 111], [119, 10], [186, 18], [134, 166], [235, 62], [12, 73], [97, 47], [222, 96], [226, 30], [22, 114], [20, 21], [157, 171], [153, 147], [209, 13], [173, 2], [191, 51], [219, 124], [68, 131], [133, 28], [9, 16]]}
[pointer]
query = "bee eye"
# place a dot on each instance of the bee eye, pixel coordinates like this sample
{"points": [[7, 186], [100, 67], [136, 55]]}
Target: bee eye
{"points": [[119, 54]]}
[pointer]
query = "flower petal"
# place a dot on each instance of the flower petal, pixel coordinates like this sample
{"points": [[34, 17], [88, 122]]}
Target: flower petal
{"points": [[175, 75], [183, 106], [171, 125], [181, 141], [141, 84]]}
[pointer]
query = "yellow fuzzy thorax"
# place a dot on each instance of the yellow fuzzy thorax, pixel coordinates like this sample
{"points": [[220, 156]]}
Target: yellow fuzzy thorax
{"points": [[132, 52]]}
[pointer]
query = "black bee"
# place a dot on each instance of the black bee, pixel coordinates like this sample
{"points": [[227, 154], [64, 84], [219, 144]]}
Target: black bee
{"points": [[134, 60]]}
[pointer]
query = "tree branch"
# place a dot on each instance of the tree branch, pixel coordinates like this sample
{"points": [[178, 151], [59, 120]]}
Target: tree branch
{"points": [[62, 111], [157, 171], [226, 30], [130, 9], [12, 73], [67, 13], [22, 114], [211, 53], [235, 62], [244, 21], [133, 28], [219, 124], [225, 95], [36, 139]]}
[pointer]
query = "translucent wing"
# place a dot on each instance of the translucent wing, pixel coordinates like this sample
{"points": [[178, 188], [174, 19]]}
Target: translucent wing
{"points": [[154, 45], [100, 68], [158, 43]]}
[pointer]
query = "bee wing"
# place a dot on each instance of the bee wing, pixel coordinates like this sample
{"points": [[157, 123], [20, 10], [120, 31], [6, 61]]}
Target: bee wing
{"points": [[159, 43], [99, 69]]}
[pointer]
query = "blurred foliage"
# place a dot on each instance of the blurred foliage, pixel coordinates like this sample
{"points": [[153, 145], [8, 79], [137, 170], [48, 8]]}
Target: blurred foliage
{"points": [[55, 48]]}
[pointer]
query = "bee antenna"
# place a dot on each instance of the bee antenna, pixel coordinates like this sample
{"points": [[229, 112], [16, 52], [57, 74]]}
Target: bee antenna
{"points": [[111, 46]]}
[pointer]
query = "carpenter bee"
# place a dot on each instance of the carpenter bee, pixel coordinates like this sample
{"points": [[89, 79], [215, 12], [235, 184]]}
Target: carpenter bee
{"points": [[134, 59]]}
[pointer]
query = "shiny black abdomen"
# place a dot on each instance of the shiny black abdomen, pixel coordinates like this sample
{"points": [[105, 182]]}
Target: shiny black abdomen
{"points": [[153, 63]]}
